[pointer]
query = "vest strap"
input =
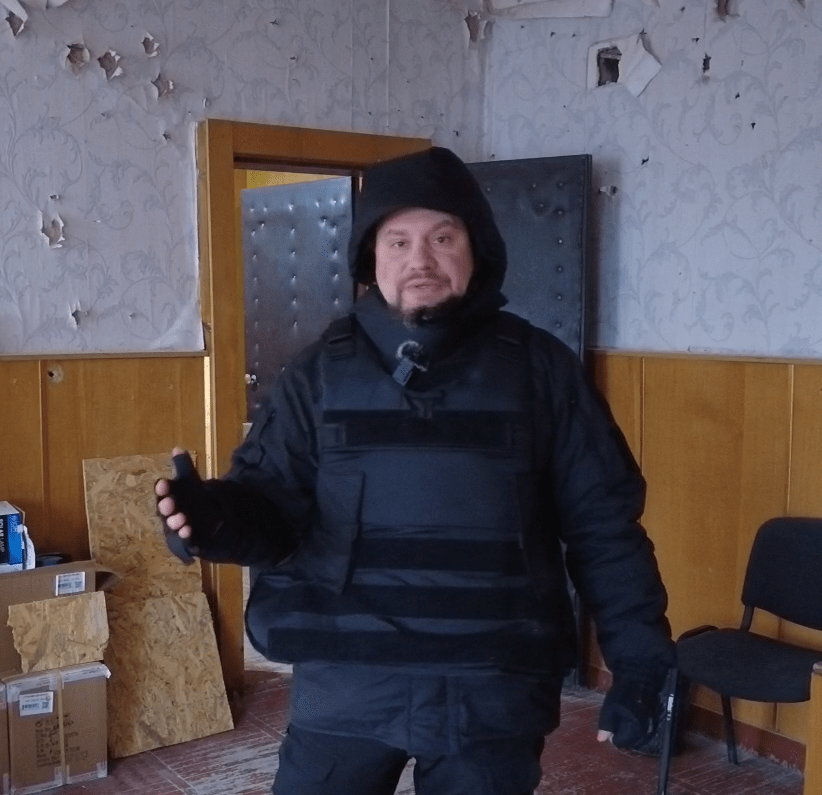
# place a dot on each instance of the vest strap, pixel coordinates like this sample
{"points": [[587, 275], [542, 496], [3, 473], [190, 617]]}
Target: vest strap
{"points": [[341, 341]]}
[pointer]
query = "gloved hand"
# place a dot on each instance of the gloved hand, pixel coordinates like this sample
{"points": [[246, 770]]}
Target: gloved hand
{"points": [[189, 513], [631, 710]]}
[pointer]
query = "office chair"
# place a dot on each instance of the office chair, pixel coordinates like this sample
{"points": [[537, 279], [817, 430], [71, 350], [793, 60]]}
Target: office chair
{"points": [[784, 577]]}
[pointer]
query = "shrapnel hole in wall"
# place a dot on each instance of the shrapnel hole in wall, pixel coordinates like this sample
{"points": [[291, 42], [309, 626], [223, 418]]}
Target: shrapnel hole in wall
{"points": [[608, 65]]}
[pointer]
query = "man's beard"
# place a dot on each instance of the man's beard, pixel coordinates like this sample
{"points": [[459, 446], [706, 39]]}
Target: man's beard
{"points": [[422, 315]]}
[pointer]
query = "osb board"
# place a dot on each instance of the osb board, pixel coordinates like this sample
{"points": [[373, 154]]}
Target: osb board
{"points": [[166, 684], [54, 633], [125, 534]]}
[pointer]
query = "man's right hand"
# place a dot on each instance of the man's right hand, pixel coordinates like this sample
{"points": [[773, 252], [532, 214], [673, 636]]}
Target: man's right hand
{"points": [[175, 521], [189, 514]]}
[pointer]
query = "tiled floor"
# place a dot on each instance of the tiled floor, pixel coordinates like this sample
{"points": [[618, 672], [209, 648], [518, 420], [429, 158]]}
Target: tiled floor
{"points": [[243, 762]]}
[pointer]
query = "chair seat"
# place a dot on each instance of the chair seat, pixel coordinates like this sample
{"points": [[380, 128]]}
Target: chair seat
{"points": [[772, 671]]}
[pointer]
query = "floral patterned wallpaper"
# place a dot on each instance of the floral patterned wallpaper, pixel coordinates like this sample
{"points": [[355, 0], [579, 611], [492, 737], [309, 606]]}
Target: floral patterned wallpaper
{"points": [[102, 159], [709, 219], [708, 188]]}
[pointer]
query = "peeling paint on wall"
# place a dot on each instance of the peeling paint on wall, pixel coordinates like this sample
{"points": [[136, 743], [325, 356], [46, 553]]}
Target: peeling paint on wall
{"points": [[150, 46], [77, 57], [474, 23], [15, 10], [110, 61], [726, 8], [16, 23], [479, 27], [622, 61], [52, 229], [164, 87], [18, 12], [608, 59]]}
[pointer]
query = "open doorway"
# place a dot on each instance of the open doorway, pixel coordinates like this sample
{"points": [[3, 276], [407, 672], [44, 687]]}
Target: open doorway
{"points": [[224, 147]]}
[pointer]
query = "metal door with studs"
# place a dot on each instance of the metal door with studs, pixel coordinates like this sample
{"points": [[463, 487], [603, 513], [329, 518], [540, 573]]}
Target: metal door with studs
{"points": [[295, 240], [295, 246]]}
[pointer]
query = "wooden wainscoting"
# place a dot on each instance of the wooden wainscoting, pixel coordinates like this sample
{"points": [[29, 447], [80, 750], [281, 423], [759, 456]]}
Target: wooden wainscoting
{"points": [[56, 412], [724, 445]]}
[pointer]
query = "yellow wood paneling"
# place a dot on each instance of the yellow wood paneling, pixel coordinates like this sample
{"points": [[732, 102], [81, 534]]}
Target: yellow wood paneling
{"points": [[268, 143], [21, 461], [716, 446], [619, 380], [806, 458], [97, 408], [805, 499], [715, 453], [723, 445]]}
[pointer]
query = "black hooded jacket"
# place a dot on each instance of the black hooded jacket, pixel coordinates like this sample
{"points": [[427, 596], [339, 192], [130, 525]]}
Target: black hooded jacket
{"points": [[585, 485]]}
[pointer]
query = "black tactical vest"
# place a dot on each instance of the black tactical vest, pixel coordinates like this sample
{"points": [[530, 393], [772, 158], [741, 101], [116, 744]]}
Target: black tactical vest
{"points": [[416, 555]]}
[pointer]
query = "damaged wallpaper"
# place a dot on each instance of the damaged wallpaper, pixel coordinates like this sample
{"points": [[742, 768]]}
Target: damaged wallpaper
{"points": [[706, 136], [708, 181], [98, 102]]}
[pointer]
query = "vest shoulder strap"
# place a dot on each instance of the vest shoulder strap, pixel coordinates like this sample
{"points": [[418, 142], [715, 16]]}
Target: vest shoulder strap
{"points": [[511, 331], [340, 338]]}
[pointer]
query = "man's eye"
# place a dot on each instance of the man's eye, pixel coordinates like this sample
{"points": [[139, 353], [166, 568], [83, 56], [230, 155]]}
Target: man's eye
{"points": [[398, 244], [444, 239]]}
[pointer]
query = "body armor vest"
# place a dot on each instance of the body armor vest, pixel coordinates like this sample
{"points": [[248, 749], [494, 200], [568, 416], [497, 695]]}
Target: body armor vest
{"points": [[416, 552]]}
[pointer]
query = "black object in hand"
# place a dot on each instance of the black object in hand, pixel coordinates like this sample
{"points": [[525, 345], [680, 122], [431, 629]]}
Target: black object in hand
{"points": [[184, 473], [631, 711]]}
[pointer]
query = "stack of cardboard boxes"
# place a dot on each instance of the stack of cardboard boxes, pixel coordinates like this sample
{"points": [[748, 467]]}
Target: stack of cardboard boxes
{"points": [[61, 716], [52, 681]]}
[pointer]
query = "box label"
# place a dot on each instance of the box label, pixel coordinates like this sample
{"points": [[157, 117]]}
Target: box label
{"points": [[36, 703], [73, 582]]}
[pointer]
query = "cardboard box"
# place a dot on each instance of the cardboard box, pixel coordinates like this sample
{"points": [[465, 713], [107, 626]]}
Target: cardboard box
{"points": [[20, 587], [57, 727], [4, 742], [12, 544]]}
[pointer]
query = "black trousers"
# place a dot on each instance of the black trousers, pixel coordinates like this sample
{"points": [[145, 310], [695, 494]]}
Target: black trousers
{"points": [[325, 764]]}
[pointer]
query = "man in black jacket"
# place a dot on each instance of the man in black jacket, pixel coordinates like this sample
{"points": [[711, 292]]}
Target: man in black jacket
{"points": [[408, 489]]}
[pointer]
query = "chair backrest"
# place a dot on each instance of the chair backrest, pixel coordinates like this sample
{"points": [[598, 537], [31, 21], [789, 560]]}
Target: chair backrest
{"points": [[784, 573]]}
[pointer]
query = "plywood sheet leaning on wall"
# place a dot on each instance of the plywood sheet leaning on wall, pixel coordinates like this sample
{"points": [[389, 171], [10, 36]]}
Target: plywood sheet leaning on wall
{"points": [[166, 683], [54, 633], [124, 531]]}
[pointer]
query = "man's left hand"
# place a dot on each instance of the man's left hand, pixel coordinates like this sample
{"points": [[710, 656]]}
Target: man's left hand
{"points": [[630, 712]]}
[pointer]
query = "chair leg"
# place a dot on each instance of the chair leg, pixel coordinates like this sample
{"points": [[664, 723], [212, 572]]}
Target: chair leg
{"points": [[671, 689], [730, 736]]}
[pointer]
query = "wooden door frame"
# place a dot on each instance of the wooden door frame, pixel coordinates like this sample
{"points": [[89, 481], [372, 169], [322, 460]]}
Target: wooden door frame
{"points": [[222, 146]]}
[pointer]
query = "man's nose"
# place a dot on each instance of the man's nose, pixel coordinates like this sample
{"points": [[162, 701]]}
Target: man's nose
{"points": [[421, 257]]}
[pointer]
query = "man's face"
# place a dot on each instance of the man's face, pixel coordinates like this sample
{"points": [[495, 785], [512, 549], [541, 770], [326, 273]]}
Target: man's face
{"points": [[423, 258]]}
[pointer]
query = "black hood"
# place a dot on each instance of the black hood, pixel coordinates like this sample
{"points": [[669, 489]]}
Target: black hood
{"points": [[435, 179]]}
